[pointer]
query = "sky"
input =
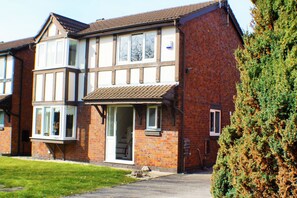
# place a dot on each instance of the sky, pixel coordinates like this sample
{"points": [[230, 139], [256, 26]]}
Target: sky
{"points": [[24, 18]]}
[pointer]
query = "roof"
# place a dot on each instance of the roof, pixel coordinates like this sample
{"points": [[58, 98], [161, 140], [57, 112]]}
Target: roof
{"points": [[5, 101], [129, 94], [164, 15], [17, 44], [70, 25]]}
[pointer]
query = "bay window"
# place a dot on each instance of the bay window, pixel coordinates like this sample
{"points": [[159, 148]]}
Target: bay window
{"points": [[6, 72], [55, 122], [137, 48], [56, 53]]}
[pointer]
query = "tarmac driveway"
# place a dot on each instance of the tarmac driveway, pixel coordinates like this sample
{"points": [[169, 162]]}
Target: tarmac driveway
{"points": [[174, 186]]}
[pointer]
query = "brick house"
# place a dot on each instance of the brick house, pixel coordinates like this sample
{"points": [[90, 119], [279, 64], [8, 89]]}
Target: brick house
{"points": [[148, 89], [16, 64]]}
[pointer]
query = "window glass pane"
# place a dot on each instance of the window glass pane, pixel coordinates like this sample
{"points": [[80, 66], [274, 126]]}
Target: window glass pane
{"points": [[123, 48], [56, 121], [2, 67], [110, 131], [59, 53], [38, 117], [212, 121], [72, 53], [2, 118], [136, 47], [149, 45], [51, 49], [47, 121], [41, 55], [152, 117], [69, 122], [217, 122]]}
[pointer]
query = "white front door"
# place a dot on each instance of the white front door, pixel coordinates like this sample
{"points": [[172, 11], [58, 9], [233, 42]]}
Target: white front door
{"points": [[110, 134], [119, 134]]}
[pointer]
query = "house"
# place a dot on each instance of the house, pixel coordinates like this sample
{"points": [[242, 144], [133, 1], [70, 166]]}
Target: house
{"points": [[152, 89], [16, 65]]}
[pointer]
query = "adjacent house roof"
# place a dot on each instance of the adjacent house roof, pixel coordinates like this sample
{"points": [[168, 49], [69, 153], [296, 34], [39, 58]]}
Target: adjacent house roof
{"points": [[159, 16], [129, 94], [18, 44], [70, 25]]}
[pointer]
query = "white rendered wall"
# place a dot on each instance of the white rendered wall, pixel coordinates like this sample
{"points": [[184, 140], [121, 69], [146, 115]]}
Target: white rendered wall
{"points": [[134, 76], [38, 87], [168, 38], [81, 54], [121, 77], [52, 30], [104, 78], [92, 53], [81, 81], [91, 82], [59, 86], [49, 87], [167, 74], [149, 75], [71, 87], [105, 51]]}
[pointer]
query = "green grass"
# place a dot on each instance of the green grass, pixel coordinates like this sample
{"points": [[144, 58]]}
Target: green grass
{"points": [[51, 179]]}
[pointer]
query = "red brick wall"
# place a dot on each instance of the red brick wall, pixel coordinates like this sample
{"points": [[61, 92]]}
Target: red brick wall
{"points": [[209, 50], [11, 142]]}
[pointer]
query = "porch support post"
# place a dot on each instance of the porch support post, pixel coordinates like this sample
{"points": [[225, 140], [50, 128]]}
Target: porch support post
{"points": [[139, 110], [101, 112]]}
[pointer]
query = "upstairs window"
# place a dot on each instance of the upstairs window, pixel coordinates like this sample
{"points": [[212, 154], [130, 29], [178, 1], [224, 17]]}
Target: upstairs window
{"points": [[52, 53], [136, 48], [6, 71], [215, 122], [153, 118]]}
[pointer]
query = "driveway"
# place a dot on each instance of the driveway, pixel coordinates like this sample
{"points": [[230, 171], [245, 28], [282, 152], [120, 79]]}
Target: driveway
{"points": [[174, 186]]}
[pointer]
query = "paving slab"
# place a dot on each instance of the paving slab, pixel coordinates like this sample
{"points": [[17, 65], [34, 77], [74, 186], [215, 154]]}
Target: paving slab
{"points": [[195, 185]]}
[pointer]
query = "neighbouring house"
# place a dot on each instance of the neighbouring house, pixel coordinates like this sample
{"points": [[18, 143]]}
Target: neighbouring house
{"points": [[151, 89], [16, 79]]}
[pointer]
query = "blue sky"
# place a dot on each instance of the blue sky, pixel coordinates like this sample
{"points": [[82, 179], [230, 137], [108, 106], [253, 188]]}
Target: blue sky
{"points": [[24, 18]]}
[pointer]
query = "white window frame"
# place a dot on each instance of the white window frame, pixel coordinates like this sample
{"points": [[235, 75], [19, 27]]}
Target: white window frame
{"points": [[2, 125], [5, 80], [144, 60], [65, 54], [154, 128], [62, 123], [213, 133]]}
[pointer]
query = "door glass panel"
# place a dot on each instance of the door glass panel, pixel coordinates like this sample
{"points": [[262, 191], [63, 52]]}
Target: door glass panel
{"points": [[56, 121], [110, 130]]}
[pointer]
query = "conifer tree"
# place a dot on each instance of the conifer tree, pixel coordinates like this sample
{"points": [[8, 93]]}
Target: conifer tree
{"points": [[258, 150]]}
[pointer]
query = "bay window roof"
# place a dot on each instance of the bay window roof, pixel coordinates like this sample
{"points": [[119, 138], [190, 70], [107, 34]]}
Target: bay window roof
{"points": [[146, 94], [5, 101]]}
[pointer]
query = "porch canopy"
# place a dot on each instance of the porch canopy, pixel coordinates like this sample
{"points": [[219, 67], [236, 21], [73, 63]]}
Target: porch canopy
{"points": [[5, 102], [144, 94]]}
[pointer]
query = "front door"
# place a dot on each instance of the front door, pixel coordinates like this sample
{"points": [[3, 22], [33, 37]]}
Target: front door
{"points": [[119, 134]]}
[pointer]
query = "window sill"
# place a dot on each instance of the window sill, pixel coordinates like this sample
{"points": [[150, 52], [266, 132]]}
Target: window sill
{"points": [[152, 132], [54, 141], [1, 128], [214, 137]]}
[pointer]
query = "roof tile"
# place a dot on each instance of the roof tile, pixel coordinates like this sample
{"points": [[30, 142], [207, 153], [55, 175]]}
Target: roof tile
{"points": [[15, 44]]}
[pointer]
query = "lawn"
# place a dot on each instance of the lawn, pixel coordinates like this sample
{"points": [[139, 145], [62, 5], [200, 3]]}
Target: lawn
{"points": [[51, 179]]}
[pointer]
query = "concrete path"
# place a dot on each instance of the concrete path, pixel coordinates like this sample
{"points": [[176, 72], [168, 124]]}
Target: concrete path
{"points": [[174, 186]]}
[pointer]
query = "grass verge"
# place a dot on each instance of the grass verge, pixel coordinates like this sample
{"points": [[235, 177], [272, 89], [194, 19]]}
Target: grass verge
{"points": [[51, 179]]}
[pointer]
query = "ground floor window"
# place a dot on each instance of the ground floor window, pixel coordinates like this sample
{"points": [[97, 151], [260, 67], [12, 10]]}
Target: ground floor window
{"points": [[215, 122], [1, 118], [153, 118], [54, 122]]}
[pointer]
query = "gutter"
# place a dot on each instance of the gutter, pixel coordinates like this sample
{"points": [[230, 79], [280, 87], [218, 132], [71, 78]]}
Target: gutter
{"points": [[20, 99], [182, 158]]}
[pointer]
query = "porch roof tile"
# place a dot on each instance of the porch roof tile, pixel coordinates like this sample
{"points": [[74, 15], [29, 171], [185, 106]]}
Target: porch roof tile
{"points": [[128, 93]]}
